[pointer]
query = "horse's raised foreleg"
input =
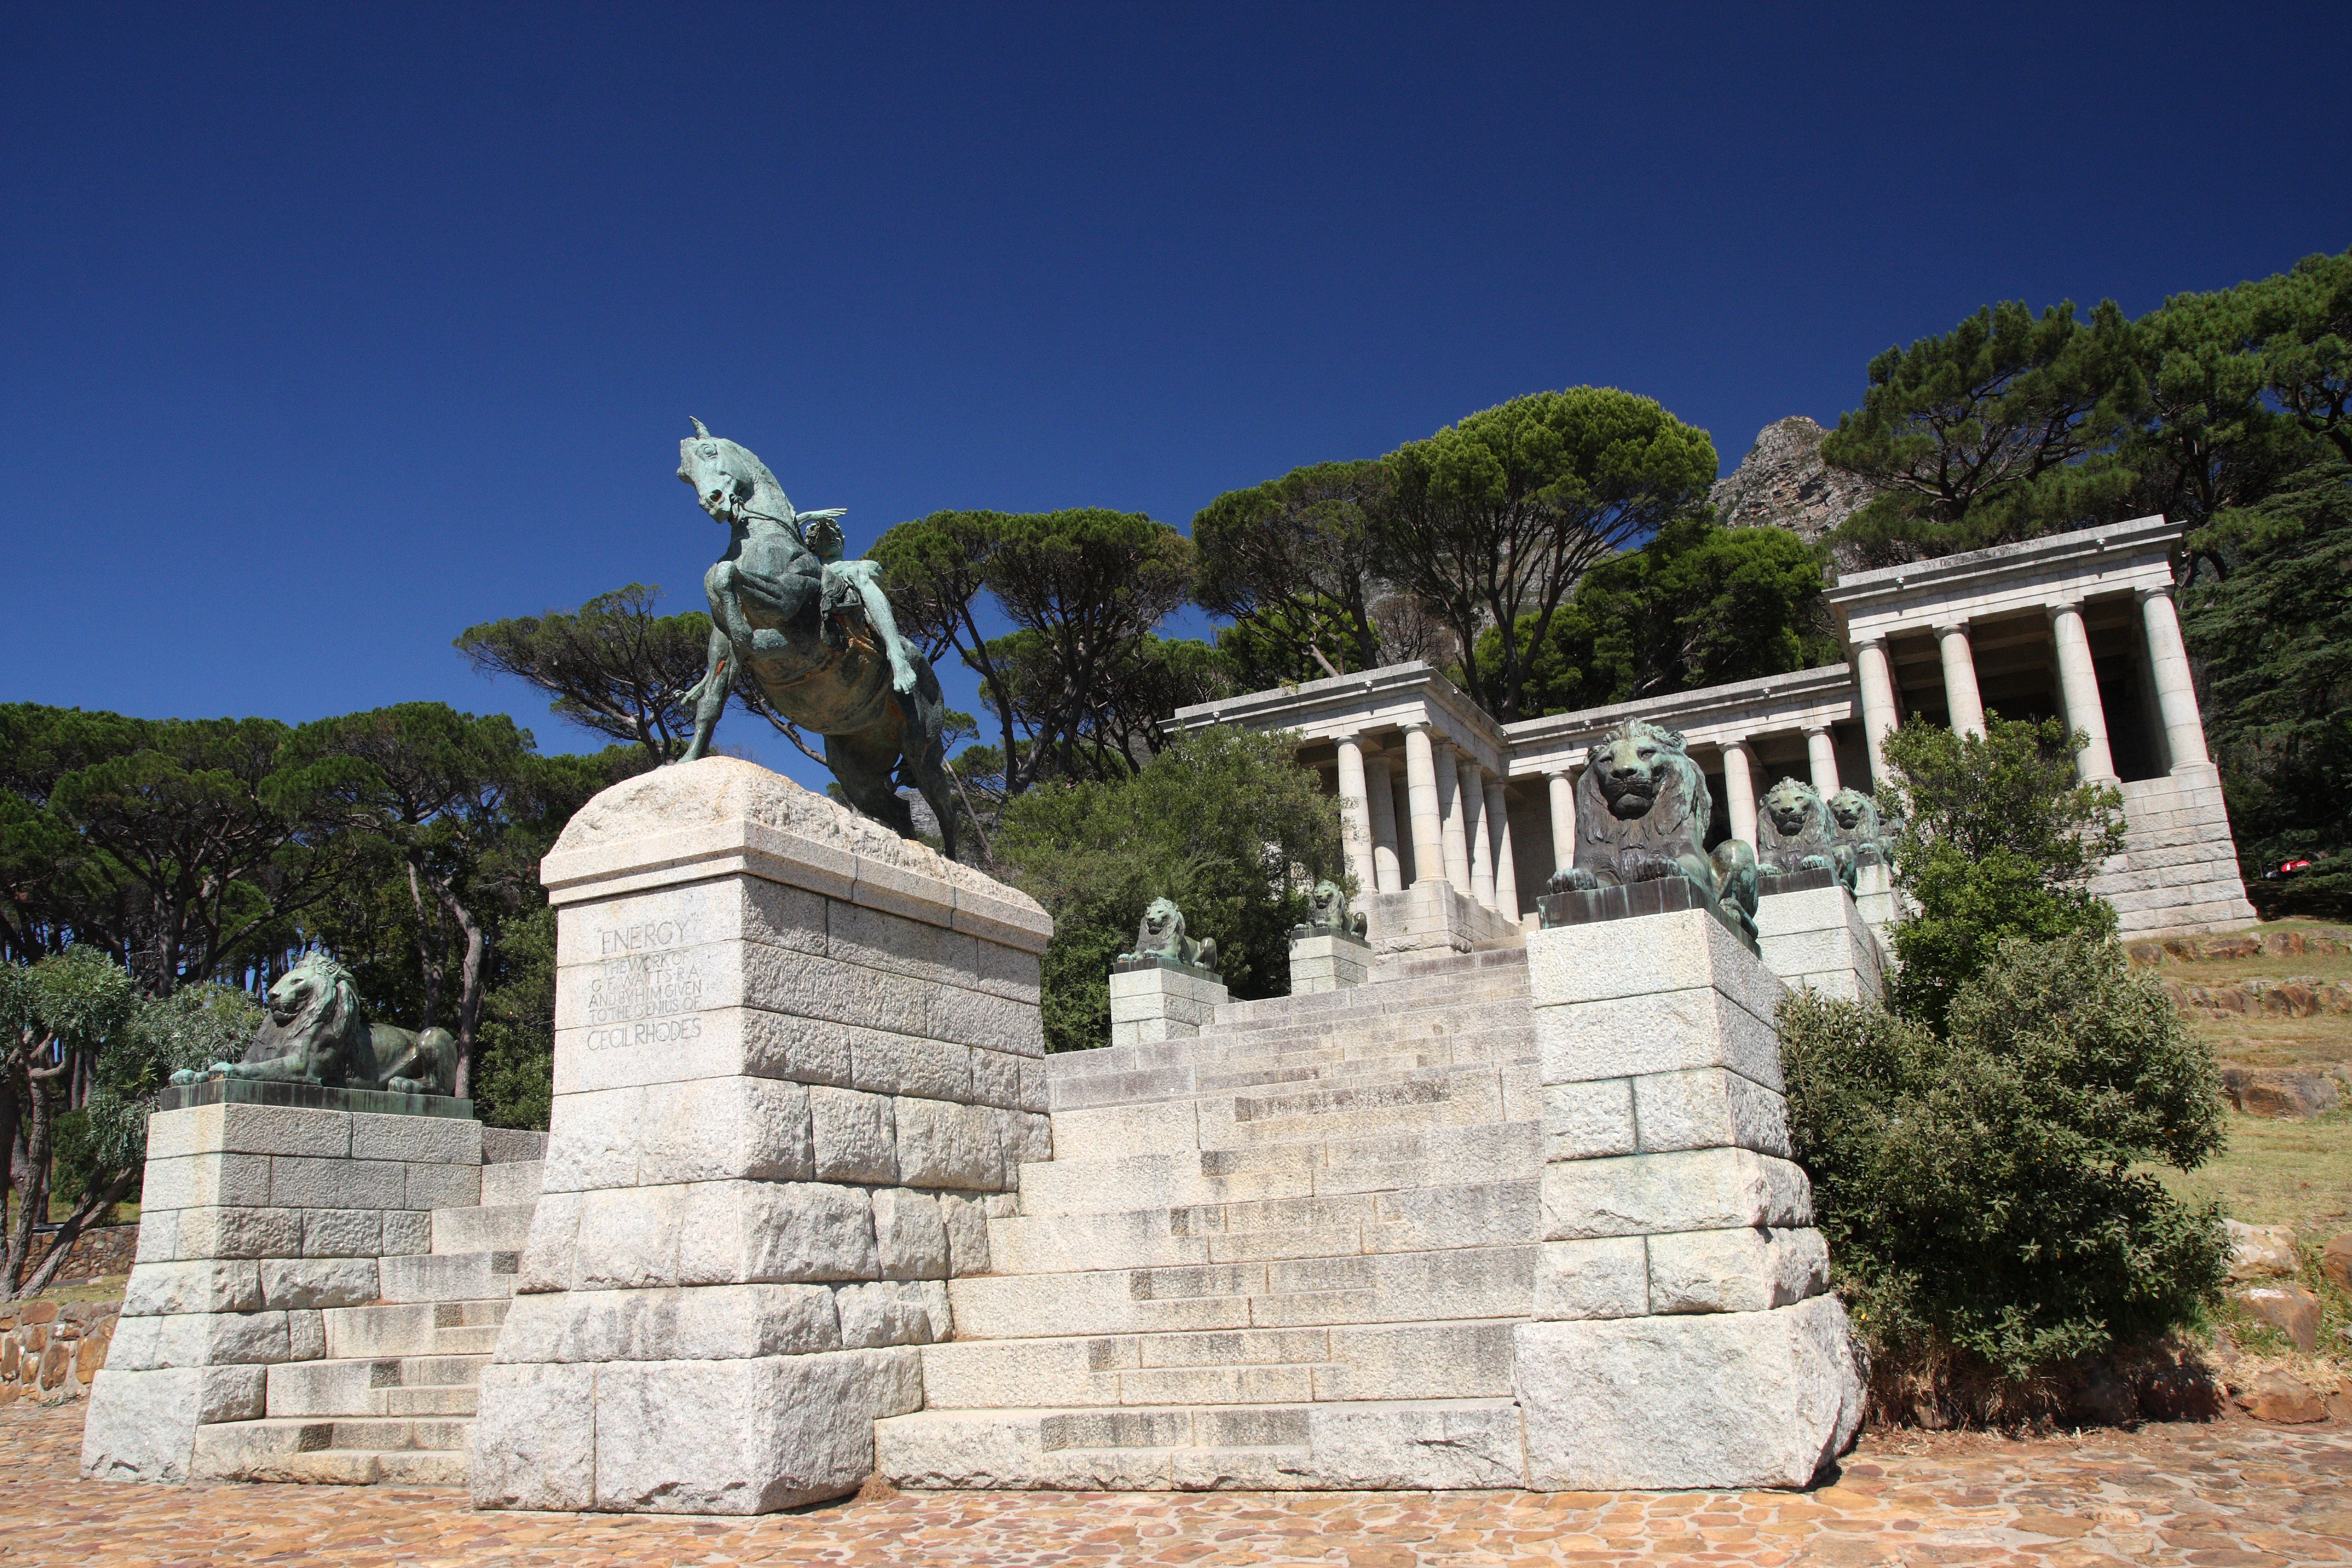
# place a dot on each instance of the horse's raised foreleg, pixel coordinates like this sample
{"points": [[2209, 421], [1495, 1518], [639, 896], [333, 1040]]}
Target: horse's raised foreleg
{"points": [[710, 695]]}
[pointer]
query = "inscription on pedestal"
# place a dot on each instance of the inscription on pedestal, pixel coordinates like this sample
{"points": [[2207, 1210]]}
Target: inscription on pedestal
{"points": [[647, 985]]}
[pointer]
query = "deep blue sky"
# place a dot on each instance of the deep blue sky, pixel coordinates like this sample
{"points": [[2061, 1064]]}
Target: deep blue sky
{"points": [[328, 330]]}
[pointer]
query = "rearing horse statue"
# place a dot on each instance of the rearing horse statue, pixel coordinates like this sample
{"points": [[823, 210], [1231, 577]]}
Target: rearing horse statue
{"points": [[800, 631]]}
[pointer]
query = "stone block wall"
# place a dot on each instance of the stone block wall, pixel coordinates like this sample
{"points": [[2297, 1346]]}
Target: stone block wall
{"points": [[52, 1351], [1683, 1336], [797, 1060], [2178, 870], [254, 1219]]}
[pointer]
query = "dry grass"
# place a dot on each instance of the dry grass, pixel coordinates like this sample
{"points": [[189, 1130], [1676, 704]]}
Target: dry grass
{"points": [[2257, 1041], [2295, 1173]]}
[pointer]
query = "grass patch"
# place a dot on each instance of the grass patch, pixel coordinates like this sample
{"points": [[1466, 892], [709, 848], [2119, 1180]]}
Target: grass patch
{"points": [[2255, 1040], [2295, 1173]]}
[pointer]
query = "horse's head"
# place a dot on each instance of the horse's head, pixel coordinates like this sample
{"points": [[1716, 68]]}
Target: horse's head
{"points": [[724, 476]]}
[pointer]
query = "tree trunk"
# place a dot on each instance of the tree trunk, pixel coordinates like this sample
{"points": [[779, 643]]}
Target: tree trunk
{"points": [[432, 954], [62, 1243], [469, 986], [35, 1205], [9, 1107]]}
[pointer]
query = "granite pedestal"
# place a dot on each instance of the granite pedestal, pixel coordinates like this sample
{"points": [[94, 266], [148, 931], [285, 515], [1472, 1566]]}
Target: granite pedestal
{"points": [[796, 1056], [1683, 1336], [257, 1218]]}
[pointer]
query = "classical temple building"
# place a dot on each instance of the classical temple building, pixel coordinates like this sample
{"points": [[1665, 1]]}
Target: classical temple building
{"points": [[1453, 821]]}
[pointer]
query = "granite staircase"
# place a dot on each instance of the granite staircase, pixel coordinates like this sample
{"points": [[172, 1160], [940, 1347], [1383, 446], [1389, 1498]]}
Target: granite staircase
{"points": [[393, 1399], [1287, 1253]]}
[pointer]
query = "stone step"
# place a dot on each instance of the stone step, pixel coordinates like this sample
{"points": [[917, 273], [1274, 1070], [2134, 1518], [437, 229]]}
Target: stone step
{"points": [[1413, 1219], [1352, 1445], [1447, 1097], [1459, 1097], [514, 1181], [1425, 1157], [443, 1401], [345, 1449], [491, 1228], [449, 1277], [1444, 1360], [374, 1387], [353, 1468], [1492, 1281], [1436, 1017], [1352, 1065], [414, 1329]]}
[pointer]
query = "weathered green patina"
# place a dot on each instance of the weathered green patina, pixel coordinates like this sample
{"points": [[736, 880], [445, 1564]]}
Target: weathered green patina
{"points": [[1162, 935], [317, 1032], [816, 634]]}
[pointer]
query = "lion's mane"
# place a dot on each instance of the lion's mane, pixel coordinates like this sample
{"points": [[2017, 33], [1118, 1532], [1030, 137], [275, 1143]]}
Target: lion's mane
{"points": [[328, 1040]]}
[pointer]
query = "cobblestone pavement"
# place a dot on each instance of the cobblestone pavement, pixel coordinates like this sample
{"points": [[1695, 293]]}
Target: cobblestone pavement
{"points": [[2236, 1493]]}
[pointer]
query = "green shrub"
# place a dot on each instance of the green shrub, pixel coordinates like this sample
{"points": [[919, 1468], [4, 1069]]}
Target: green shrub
{"points": [[1225, 822], [1995, 840], [1983, 1193], [514, 1080]]}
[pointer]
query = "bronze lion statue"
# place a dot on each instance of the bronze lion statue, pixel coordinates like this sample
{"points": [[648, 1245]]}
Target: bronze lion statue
{"points": [[1162, 935], [1328, 906], [316, 1032], [1793, 832], [1861, 838], [1642, 811]]}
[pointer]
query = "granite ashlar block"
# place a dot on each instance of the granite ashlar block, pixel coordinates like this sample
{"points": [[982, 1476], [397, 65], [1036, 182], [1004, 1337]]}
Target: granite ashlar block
{"points": [[1700, 1189]]}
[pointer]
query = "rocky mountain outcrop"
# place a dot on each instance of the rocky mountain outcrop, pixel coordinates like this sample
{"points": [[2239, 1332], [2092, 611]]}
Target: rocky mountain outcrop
{"points": [[1783, 483]]}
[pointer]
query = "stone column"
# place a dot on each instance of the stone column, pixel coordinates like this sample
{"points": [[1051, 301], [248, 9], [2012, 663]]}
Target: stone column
{"points": [[1474, 833], [1506, 872], [794, 1058], [1457, 836], [1878, 716], [2176, 694], [1682, 1331], [1740, 789], [2078, 678], [1562, 785], [1428, 812], [1822, 753], [1408, 872], [1379, 798], [1355, 812], [1960, 680]]}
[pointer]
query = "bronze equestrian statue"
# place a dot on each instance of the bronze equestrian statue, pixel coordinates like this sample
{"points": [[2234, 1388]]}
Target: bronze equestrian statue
{"points": [[814, 634]]}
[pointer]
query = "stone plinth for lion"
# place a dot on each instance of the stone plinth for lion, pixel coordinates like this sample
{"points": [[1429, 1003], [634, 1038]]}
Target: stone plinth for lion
{"points": [[258, 1221], [795, 1056], [1332, 951]]}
